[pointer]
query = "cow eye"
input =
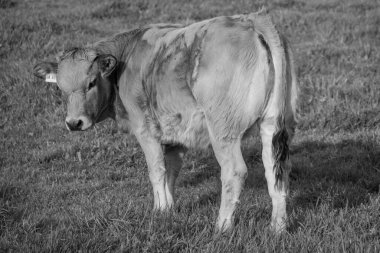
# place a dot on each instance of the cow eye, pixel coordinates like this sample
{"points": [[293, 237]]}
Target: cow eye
{"points": [[91, 84]]}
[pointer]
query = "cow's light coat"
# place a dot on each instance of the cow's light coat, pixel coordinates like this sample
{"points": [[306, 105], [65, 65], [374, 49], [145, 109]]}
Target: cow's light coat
{"points": [[178, 87]]}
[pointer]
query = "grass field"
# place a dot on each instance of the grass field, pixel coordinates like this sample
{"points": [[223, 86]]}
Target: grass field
{"points": [[90, 192]]}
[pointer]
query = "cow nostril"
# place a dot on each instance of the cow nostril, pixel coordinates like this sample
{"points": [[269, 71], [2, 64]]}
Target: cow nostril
{"points": [[79, 124]]}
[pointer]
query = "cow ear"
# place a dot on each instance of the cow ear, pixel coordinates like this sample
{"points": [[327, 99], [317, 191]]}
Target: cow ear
{"points": [[107, 63], [46, 71]]}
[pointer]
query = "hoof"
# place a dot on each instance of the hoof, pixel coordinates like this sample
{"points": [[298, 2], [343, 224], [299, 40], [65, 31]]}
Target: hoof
{"points": [[278, 228], [223, 226], [162, 208]]}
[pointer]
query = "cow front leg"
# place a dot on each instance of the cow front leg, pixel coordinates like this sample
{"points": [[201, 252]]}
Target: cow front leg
{"points": [[154, 156], [233, 174], [173, 164], [278, 191]]}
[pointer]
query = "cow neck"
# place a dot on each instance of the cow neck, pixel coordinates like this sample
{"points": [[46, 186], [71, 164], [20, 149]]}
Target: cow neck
{"points": [[121, 46]]}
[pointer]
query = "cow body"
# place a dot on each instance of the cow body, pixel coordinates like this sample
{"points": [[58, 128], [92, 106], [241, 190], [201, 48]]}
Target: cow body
{"points": [[178, 72], [177, 87]]}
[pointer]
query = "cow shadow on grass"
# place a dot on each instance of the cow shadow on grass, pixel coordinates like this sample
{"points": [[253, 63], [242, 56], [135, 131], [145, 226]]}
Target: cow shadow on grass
{"points": [[333, 175], [342, 174], [339, 175]]}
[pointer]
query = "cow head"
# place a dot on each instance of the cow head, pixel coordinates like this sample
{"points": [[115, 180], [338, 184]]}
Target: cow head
{"points": [[83, 75]]}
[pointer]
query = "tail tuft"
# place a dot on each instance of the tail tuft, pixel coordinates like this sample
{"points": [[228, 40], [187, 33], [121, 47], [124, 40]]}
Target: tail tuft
{"points": [[280, 152]]}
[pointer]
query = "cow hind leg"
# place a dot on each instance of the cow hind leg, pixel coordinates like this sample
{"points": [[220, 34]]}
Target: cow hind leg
{"points": [[233, 174], [274, 155], [173, 164]]}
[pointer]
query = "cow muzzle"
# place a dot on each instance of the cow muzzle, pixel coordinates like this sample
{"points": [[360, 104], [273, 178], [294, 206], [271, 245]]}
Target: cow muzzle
{"points": [[78, 124]]}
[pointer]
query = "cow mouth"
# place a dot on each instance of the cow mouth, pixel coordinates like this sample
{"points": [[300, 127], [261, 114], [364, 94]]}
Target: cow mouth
{"points": [[87, 127], [83, 123]]}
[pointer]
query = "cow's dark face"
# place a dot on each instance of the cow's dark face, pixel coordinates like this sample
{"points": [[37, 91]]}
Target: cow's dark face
{"points": [[86, 86]]}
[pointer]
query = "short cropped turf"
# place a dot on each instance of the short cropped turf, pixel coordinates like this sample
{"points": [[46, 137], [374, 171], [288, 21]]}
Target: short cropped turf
{"points": [[90, 192]]}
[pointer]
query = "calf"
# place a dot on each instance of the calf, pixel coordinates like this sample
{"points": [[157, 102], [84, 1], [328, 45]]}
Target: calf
{"points": [[177, 87]]}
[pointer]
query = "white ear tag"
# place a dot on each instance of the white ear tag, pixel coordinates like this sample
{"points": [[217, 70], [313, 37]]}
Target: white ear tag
{"points": [[51, 78]]}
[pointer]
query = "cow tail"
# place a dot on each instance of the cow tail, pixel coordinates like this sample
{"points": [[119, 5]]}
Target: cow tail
{"points": [[280, 140]]}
